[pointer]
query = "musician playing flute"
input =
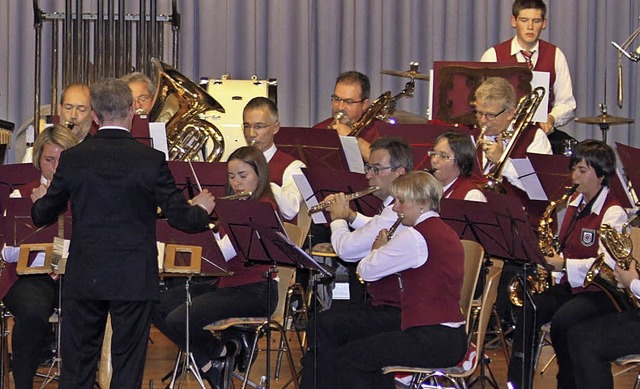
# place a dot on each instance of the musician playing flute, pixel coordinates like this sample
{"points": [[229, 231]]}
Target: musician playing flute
{"points": [[427, 259], [595, 343], [350, 99], [390, 158], [568, 303]]}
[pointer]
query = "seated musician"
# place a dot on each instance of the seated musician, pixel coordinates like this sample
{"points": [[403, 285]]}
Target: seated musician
{"points": [[243, 294], [32, 298], [595, 343], [260, 123], [427, 260], [390, 159], [568, 303], [452, 160], [75, 111], [142, 89], [495, 105], [350, 99]]}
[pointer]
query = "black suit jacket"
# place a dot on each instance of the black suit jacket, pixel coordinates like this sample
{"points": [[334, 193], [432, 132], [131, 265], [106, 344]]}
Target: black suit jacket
{"points": [[114, 184]]}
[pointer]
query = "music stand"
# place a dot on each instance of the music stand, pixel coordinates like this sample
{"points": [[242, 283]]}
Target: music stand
{"points": [[210, 175], [315, 147], [629, 157]]}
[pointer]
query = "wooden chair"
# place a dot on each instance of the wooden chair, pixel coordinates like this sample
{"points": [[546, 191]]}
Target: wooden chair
{"points": [[629, 362], [457, 374]]}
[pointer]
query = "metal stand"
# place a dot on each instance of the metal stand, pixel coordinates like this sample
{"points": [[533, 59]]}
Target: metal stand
{"points": [[185, 361], [56, 362], [4, 348]]}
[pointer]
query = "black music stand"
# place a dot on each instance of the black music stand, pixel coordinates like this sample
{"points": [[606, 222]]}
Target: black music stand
{"points": [[316, 147], [210, 175], [502, 227]]}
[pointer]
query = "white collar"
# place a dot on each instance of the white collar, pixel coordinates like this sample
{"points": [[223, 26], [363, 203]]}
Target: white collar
{"points": [[598, 202], [515, 46], [387, 201], [270, 152]]}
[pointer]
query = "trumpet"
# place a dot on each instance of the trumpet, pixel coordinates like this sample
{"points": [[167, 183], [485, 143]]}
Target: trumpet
{"points": [[352, 196], [238, 196]]}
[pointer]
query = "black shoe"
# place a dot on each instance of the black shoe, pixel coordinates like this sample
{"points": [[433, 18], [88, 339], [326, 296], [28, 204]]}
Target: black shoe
{"points": [[215, 374], [243, 360]]}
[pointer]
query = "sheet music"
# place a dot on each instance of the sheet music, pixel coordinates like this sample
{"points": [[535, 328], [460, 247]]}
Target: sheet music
{"points": [[158, 135], [529, 179], [352, 153], [542, 79], [309, 197], [625, 185], [160, 246]]}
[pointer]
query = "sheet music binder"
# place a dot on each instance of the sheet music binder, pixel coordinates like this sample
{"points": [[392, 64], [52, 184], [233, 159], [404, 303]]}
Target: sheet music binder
{"points": [[20, 228], [315, 147]]}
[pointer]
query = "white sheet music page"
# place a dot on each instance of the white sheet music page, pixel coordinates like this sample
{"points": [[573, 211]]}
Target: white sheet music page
{"points": [[158, 135], [541, 79], [529, 179], [352, 152], [309, 197]]}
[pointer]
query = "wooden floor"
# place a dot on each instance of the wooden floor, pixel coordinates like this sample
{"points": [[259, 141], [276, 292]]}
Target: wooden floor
{"points": [[162, 353]]}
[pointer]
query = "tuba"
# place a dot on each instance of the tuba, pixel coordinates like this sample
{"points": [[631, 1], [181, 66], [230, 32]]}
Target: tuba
{"points": [[620, 246], [180, 103], [548, 243], [523, 116]]}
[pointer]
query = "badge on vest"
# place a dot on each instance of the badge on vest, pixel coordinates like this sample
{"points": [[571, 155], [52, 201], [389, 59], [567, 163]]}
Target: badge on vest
{"points": [[588, 237]]}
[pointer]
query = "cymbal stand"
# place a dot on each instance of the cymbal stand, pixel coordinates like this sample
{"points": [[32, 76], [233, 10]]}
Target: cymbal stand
{"points": [[56, 362], [4, 347], [185, 362]]}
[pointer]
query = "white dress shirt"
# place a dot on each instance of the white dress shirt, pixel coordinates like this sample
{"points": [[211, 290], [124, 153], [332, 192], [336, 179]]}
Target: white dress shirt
{"points": [[472, 195], [287, 196], [564, 104]]}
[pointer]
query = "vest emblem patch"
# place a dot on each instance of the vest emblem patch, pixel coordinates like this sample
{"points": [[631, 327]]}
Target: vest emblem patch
{"points": [[588, 237]]}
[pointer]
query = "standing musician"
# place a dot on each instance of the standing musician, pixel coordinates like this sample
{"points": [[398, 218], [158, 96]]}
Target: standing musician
{"points": [[452, 161], [390, 158], [427, 259], [495, 105], [244, 294], [568, 303], [529, 19], [595, 343], [32, 298], [260, 123], [142, 89], [350, 99], [115, 186]]}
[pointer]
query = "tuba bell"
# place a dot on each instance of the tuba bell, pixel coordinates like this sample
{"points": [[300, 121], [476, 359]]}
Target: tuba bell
{"points": [[181, 103]]}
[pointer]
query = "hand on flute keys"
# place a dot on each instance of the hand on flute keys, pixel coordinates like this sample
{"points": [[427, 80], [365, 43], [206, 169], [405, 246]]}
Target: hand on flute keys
{"points": [[339, 208], [381, 239], [39, 192], [205, 200]]}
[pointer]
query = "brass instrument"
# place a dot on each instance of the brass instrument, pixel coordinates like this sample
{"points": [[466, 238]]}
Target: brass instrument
{"points": [[238, 196], [336, 118], [379, 108], [548, 243], [394, 226], [483, 130], [351, 196], [181, 103], [620, 247], [523, 116]]}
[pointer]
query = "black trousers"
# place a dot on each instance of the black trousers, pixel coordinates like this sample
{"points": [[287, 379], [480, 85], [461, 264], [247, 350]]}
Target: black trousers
{"points": [[83, 325], [337, 327], [359, 363], [594, 343], [564, 309], [31, 300], [208, 305]]}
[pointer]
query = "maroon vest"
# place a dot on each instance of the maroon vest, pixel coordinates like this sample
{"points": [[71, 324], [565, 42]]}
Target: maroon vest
{"points": [[277, 165], [545, 63], [431, 293], [459, 189], [582, 240], [370, 133], [385, 291]]}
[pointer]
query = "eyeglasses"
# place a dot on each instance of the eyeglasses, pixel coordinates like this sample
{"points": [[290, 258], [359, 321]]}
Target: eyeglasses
{"points": [[375, 170], [339, 100], [440, 155], [143, 98], [257, 127], [489, 116]]}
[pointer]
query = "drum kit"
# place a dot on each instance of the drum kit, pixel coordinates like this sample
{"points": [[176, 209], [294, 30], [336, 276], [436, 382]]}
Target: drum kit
{"points": [[406, 117], [604, 121]]}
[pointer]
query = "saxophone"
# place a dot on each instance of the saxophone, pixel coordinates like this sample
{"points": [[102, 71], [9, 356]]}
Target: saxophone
{"points": [[548, 243], [620, 247]]}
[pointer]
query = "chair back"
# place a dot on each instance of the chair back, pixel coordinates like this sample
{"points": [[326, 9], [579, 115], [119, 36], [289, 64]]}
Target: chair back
{"points": [[304, 219], [287, 276], [473, 257], [295, 233]]}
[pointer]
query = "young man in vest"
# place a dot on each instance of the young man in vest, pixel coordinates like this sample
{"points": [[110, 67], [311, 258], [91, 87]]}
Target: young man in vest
{"points": [[260, 123], [529, 19]]}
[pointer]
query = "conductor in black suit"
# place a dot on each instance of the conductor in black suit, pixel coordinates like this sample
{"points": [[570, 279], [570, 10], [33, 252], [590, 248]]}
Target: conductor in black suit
{"points": [[115, 185]]}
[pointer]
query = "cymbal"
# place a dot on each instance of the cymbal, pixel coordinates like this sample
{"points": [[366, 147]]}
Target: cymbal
{"points": [[604, 119], [405, 117], [407, 74]]}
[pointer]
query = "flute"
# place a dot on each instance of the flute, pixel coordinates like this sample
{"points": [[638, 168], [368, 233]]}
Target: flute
{"points": [[352, 196], [395, 226], [238, 196]]}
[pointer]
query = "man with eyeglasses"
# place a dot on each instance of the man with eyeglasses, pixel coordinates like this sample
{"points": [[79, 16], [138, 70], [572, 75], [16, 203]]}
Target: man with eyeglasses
{"points": [[350, 99], [260, 124], [529, 19], [452, 161], [142, 90], [495, 106], [352, 235]]}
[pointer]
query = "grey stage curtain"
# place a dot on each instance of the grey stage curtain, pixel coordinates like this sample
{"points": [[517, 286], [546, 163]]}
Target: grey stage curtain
{"points": [[305, 44]]}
